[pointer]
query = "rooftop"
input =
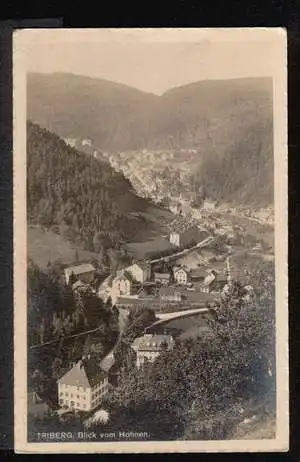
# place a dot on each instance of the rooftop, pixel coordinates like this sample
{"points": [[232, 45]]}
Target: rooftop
{"points": [[153, 342], [183, 267], [198, 273], [213, 278], [128, 301], [85, 373], [80, 269], [79, 284], [123, 274], [162, 275], [144, 265], [179, 225], [210, 278]]}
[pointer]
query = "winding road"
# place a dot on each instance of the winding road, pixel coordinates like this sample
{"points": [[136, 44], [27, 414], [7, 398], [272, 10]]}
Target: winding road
{"points": [[165, 317], [201, 244]]}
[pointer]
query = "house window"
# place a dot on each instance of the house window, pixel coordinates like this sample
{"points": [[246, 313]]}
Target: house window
{"points": [[84, 397], [77, 396], [61, 401], [67, 394]]}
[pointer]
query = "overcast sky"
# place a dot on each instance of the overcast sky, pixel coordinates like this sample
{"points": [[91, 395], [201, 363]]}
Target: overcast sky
{"points": [[151, 66]]}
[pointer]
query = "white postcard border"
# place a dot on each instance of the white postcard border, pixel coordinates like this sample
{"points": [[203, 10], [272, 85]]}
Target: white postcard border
{"points": [[274, 35]]}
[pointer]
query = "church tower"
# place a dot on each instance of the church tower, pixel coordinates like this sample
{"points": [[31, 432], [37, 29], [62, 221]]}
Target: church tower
{"points": [[228, 272]]}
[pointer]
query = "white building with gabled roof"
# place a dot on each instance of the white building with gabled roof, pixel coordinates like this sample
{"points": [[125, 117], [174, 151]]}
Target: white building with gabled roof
{"points": [[181, 274], [140, 271], [122, 284], [83, 386]]}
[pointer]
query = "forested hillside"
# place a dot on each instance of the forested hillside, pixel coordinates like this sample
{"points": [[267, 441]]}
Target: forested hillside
{"points": [[78, 196], [245, 174], [54, 314], [228, 124]]}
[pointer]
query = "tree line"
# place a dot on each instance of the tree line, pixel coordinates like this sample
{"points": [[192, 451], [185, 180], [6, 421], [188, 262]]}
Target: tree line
{"points": [[74, 194], [206, 386]]}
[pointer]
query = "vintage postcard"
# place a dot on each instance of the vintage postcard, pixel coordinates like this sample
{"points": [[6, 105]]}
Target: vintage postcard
{"points": [[150, 238]]}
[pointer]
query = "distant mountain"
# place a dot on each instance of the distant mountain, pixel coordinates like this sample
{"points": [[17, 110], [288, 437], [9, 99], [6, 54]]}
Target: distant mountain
{"points": [[228, 122], [107, 113], [81, 198]]}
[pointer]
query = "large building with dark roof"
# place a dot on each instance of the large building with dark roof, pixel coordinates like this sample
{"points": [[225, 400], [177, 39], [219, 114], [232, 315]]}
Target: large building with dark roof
{"points": [[183, 234], [150, 346], [162, 278], [83, 386]]}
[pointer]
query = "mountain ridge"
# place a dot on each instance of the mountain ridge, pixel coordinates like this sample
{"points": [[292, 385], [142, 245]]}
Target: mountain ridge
{"points": [[214, 117]]}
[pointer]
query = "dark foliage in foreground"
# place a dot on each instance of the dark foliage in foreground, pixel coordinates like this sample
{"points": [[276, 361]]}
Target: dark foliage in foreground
{"points": [[58, 316], [203, 387]]}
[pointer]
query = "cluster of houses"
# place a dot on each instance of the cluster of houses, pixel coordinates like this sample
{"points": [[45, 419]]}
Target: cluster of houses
{"points": [[83, 387], [145, 281], [138, 282]]}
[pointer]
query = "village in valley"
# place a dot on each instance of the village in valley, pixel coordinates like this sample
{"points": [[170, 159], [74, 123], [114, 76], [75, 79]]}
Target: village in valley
{"points": [[182, 283], [150, 254]]}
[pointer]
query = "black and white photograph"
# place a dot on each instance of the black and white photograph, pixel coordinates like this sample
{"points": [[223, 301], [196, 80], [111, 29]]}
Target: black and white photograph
{"points": [[150, 221]]}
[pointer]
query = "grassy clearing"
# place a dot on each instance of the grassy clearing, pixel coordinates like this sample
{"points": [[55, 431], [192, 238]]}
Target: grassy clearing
{"points": [[139, 250], [44, 246]]}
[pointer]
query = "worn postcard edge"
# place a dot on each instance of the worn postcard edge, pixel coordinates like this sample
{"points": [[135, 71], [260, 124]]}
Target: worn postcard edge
{"points": [[281, 442]]}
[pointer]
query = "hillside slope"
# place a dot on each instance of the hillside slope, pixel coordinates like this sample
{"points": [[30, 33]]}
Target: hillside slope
{"points": [[108, 113], [228, 124], [79, 196]]}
